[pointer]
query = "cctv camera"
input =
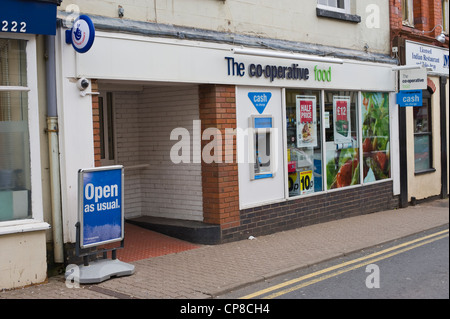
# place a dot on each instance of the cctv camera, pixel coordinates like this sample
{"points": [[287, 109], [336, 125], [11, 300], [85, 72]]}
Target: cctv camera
{"points": [[82, 84]]}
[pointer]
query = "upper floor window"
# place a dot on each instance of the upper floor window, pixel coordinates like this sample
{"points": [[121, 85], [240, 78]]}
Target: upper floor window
{"points": [[342, 6], [408, 12], [445, 15]]}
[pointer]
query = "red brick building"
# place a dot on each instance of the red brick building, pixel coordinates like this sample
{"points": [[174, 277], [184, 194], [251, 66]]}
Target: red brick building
{"points": [[419, 20]]}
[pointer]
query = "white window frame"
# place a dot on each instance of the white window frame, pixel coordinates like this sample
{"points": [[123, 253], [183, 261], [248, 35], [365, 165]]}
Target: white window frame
{"points": [[333, 8], [37, 213], [410, 19], [445, 15]]}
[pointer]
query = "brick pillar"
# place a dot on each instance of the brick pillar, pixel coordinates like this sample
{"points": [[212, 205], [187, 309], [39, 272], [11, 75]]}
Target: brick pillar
{"points": [[96, 123], [220, 178]]}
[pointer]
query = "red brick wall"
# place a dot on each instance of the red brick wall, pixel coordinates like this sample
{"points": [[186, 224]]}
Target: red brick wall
{"points": [[427, 14], [395, 14], [220, 179], [96, 123]]}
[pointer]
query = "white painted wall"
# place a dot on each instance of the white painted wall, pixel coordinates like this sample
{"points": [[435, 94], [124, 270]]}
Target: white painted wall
{"points": [[287, 19], [169, 60], [76, 141]]}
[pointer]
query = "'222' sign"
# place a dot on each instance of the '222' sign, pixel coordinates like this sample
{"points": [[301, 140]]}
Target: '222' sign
{"points": [[13, 26]]}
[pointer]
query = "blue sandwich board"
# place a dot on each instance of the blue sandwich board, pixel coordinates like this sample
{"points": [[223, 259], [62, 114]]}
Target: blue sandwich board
{"points": [[101, 205]]}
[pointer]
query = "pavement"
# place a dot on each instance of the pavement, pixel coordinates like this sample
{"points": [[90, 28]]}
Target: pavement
{"points": [[207, 271]]}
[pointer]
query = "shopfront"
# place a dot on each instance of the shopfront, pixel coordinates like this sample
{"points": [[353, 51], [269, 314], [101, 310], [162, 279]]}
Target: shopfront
{"points": [[427, 125], [335, 146], [251, 140], [22, 226]]}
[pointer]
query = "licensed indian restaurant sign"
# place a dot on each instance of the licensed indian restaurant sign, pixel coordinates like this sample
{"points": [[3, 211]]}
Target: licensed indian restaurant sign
{"points": [[435, 58]]}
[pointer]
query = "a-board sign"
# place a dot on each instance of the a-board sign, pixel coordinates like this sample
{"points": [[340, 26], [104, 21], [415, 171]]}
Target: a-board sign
{"points": [[100, 205]]}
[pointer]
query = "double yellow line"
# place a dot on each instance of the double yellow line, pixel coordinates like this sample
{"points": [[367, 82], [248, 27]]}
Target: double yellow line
{"points": [[342, 268]]}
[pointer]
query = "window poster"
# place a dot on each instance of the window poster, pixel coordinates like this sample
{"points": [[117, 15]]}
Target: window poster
{"points": [[306, 121], [376, 136], [341, 116]]}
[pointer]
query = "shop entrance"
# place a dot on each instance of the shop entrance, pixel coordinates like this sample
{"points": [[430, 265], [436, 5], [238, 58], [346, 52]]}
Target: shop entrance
{"points": [[134, 130]]}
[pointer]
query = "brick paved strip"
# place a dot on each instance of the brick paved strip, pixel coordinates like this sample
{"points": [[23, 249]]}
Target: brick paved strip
{"points": [[109, 292]]}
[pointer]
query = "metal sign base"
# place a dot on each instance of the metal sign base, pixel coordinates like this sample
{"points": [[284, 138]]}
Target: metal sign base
{"points": [[92, 272], [101, 270]]}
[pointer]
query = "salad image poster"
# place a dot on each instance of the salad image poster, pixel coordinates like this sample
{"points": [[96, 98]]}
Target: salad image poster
{"points": [[306, 121], [341, 115], [375, 136]]}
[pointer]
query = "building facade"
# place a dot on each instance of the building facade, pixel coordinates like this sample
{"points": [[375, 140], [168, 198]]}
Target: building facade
{"points": [[419, 36], [231, 118], [224, 113]]}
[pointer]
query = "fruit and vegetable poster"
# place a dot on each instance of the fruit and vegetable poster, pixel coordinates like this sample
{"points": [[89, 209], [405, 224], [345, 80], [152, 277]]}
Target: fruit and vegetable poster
{"points": [[343, 168], [342, 123], [306, 121], [375, 136]]}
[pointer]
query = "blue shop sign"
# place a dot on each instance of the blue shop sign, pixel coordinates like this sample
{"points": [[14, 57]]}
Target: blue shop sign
{"points": [[28, 16], [260, 100], [409, 98], [82, 34], [100, 195]]}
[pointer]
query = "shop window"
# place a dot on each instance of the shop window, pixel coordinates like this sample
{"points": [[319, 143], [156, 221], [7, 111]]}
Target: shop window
{"points": [[423, 138], [304, 142], [106, 117], [375, 136], [341, 139], [407, 13], [15, 175]]}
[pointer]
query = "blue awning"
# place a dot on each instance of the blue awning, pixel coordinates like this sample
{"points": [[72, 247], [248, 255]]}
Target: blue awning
{"points": [[28, 16]]}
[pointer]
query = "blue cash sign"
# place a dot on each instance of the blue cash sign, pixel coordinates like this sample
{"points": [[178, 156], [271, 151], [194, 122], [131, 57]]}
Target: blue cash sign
{"points": [[407, 98]]}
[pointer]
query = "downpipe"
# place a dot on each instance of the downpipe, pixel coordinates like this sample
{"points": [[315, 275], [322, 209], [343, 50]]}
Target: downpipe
{"points": [[53, 143], [55, 186]]}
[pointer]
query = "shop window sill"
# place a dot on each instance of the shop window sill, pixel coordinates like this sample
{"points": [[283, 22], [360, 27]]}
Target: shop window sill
{"points": [[338, 15], [425, 171], [22, 226]]}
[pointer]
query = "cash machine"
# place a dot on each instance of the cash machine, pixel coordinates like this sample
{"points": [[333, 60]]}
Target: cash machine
{"points": [[261, 143]]}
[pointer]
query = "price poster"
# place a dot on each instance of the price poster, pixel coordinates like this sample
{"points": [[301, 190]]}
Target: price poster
{"points": [[306, 121], [306, 182], [341, 116]]}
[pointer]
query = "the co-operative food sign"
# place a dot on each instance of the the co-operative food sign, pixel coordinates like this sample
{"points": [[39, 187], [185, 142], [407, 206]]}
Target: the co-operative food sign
{"points": [[100, 193]]}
